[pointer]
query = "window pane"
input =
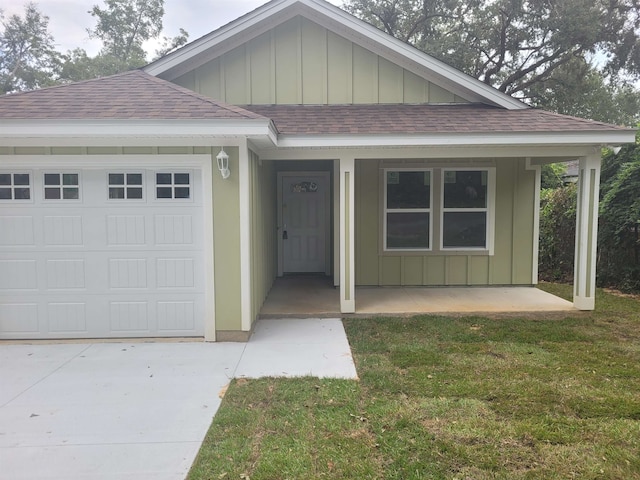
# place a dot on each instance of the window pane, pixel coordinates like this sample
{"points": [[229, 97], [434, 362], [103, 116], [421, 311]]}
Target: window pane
{"points": [[181, 178], [52, 179], [116, 179], [464, 229], [134, 179], [163, 192], [134, 192], [163, 178], [22, 193], [21, 179], [5, 179], [408, 189], [465, 189], [70, 193], [116, 192], [182, 192], [52, 193], [408, 230], [5, 194], [70, 179]]}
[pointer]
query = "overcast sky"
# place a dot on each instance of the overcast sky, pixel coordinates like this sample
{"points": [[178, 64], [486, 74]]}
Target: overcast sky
{"points": [[69, 19]]}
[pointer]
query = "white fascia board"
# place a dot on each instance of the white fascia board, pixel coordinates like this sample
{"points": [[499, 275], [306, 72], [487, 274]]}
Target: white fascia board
{"points": [[463, 139], [43, 132], [247, 27]]}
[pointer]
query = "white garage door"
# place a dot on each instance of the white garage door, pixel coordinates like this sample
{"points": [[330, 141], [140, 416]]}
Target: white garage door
{"points": [[87, 253]]}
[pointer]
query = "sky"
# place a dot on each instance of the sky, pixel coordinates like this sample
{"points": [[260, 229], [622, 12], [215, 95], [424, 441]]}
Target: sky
{"points": [[69, 19]]}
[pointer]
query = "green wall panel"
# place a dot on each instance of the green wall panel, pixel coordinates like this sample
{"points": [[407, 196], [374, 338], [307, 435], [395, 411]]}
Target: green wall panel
{"points": [[262, 70], [391, 82], [235, 76], [300, 62], [226, 237], [288, 66], [314, 63]]}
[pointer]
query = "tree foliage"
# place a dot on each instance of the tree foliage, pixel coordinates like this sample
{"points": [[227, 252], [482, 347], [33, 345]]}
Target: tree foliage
{"points": [[557, 233], [526, 48], [28, 59], [123, 26], [619, 225]]}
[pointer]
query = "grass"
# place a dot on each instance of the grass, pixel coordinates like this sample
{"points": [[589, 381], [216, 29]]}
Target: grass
{"points": [[449, 398]]}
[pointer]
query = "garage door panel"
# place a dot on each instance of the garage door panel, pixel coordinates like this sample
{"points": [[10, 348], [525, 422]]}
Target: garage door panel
{"points": [[97, 267]]}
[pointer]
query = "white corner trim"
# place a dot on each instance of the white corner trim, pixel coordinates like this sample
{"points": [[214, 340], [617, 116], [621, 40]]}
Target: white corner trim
{"points": [[245, 238], [209, 249], [536, 219]]}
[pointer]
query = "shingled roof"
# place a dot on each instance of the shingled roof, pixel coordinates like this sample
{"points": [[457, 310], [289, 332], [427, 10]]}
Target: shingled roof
{"points": [[133, 95], [419, 119]]}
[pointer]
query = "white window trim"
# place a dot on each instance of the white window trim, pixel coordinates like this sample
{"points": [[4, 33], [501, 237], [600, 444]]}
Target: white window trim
{"points": [[386, 210], [61, 173], [13, 186], [489, 209], [125, 185], [172, 185]]}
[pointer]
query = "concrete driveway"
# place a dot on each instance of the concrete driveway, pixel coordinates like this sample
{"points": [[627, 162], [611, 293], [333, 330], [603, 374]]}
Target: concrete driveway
{"points": [[139, 410]]}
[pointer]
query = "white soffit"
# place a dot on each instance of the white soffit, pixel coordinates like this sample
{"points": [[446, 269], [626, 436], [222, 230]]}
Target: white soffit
{"points": [[341, 23]]}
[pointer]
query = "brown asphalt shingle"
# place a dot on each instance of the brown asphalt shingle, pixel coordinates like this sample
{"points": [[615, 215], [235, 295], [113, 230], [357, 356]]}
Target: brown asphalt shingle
{"points": [[138, 95], [418, 119], [132, 95]]}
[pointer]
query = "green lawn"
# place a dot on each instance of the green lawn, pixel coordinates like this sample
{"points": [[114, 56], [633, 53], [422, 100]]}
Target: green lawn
{"points": [[449, 398]]}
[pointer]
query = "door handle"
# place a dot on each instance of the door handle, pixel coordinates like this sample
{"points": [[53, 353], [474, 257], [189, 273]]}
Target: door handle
{"points": [[284, 235]]}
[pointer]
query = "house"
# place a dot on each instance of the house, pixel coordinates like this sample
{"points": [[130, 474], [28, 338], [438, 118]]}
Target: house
{"points": [[166, 201]]}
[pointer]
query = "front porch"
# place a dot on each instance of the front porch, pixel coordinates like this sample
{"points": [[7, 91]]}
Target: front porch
{"points": [[315, 296]]}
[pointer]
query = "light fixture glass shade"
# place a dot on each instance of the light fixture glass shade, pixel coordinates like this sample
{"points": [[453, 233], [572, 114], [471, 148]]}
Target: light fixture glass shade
{"points": [[223, 163]]}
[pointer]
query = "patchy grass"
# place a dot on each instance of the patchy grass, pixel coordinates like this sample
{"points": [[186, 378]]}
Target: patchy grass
{"points": [[449, 398]]}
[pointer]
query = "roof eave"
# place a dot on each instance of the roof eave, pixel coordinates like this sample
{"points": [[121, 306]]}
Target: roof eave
{"points": [[134, 132], [582, 138]]}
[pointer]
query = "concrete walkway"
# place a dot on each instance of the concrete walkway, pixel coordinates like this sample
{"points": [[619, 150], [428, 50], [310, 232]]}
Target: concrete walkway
{"points": [[137, 410]]}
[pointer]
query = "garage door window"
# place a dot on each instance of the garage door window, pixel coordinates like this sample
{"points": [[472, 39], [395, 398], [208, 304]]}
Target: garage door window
{"points": [[15, 186], [125, 186], [61, 186], [173, 185]]}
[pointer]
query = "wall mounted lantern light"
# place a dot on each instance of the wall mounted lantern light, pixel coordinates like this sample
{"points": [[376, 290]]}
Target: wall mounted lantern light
{"points": [[223, 163]]}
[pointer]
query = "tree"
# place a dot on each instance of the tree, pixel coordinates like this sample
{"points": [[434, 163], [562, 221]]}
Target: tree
{"points": [[515, 45], [123, 26], [619, 223], [28, 59]]}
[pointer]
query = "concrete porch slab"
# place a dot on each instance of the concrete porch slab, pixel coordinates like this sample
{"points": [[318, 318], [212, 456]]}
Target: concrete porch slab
{"points": [[315, 296]]}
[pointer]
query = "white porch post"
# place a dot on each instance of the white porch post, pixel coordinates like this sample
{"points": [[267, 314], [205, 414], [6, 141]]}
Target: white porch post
{"points": [[347, 236], [584, 279]]}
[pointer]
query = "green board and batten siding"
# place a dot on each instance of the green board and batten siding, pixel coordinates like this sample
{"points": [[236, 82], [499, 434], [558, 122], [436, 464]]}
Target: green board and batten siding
{"points": [[512, 263], [300, 62]]}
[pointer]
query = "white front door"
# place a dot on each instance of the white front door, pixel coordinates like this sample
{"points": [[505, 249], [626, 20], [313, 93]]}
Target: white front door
{"points": [[304, 219]]}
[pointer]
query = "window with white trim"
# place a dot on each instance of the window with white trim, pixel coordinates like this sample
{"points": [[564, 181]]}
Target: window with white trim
{"points": [[465, 209], [61, 186], [15, 186], [407, 210], [171, 185], [125, 186]]}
